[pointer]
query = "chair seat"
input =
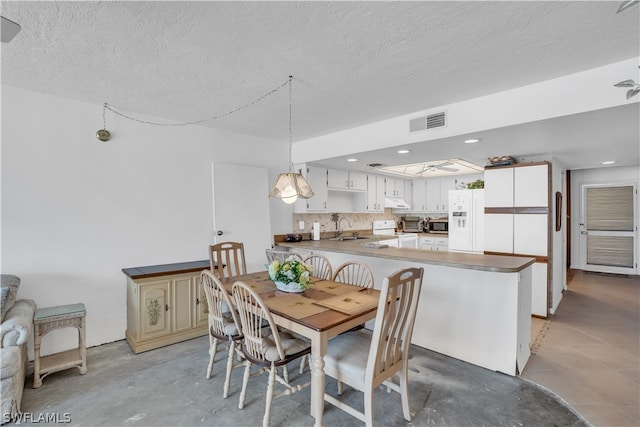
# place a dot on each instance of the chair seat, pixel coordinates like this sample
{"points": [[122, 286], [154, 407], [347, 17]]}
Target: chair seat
{"points": [[347, 355], [228, 325], [290, 345]]}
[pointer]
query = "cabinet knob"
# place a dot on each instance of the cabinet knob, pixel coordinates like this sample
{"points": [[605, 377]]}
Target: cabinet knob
{"points": [[166, 307], [219, 232]]}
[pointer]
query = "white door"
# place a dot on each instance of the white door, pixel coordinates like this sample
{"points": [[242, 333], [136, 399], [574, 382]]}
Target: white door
{"points": [[241, 210], [608, 228]]}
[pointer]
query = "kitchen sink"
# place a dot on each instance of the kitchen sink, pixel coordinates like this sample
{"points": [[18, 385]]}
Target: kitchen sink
{"points": [[348, 238]]}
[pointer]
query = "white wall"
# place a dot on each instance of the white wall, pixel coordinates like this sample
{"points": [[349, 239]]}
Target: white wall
{"points": [[558, 238], [622, 175], [75, 210], [525, 104]]}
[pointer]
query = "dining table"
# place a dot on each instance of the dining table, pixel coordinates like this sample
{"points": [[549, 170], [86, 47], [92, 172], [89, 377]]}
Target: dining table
{"points": [[324, 310]]}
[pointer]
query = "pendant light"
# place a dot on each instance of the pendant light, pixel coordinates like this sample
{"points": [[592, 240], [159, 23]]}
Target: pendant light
{"points": [[289, 186]]}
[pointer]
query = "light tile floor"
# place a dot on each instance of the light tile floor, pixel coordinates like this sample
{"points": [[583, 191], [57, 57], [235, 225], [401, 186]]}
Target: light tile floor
{"points": [[588, 353]]}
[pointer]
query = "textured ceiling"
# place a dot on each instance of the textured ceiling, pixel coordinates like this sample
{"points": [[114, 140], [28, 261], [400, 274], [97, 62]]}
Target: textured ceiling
{"points": [[353, 62]]}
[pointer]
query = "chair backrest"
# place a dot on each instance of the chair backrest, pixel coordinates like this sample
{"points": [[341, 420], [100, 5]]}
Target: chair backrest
{"points": [[394, 324], [274, 254], [321, 267], [254, 315], [230, 259], [219, 305], [354, 273]]}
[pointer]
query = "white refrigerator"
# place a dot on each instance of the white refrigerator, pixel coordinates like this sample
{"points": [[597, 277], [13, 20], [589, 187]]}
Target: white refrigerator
{"points": [[466, 221]]}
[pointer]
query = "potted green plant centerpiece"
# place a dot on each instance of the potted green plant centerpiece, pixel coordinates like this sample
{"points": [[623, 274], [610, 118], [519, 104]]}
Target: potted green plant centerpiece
{"points": [[290, 275]]}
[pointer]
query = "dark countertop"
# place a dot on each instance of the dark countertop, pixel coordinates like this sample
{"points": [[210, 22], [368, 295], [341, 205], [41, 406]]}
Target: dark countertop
{"points": [[497, 263], [164, 269]]}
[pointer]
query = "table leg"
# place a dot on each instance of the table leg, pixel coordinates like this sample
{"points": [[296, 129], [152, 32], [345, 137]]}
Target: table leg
{"points": [[318, 350]]}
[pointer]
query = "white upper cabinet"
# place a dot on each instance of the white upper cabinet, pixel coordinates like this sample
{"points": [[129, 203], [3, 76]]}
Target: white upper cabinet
{"points": [[500, 185], [375, 193], [438, 193], [317, 179], [531, 186], [394, 187], [419, 195], [345, 180]]}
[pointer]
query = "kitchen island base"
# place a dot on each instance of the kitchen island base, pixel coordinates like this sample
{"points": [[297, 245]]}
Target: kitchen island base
{"points": [[480, 315]]}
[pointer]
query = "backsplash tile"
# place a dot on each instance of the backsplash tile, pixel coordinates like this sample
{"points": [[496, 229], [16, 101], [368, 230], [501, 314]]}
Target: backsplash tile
{"points": [[359, 221]]}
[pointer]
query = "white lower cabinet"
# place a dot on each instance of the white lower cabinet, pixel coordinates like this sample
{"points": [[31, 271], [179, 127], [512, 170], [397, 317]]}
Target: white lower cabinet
{"points": [[433, 243], [166, 309]]}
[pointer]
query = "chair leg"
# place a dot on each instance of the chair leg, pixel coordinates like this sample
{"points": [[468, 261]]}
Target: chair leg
{"points": [[302, 362], [285, 373], [368, 407], [267, 409], [227, 380], [213, 347], [404, 393], [245, 381], [340, 389]]}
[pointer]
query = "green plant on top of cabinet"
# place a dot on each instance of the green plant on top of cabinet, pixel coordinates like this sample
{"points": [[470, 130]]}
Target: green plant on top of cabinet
{"points": [[375, 193], [346, 180]]}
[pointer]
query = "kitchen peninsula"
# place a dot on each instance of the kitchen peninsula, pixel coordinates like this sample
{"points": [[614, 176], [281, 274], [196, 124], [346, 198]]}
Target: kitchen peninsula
{"points": [[473, 307]]}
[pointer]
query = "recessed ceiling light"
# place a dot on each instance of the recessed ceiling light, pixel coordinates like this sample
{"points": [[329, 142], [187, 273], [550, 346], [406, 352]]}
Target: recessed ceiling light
{"points": [[471, 141], [404, 151], [608, 162], [352, 160]]}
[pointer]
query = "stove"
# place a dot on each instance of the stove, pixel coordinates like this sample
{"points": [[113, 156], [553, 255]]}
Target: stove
{"points": [[387, 227]]}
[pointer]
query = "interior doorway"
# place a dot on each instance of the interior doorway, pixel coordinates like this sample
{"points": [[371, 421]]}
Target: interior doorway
{"points": [[608, 228]]}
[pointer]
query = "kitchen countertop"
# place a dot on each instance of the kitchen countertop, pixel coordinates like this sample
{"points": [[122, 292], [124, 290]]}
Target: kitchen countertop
{"points": [[497, 263]]}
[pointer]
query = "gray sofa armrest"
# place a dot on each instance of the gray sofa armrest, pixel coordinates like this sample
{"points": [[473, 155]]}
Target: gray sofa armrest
{"points": [[18, 323]]}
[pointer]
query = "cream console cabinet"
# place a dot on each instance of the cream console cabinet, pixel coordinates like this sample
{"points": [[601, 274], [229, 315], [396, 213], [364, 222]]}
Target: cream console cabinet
{"points": [[165, 304]]}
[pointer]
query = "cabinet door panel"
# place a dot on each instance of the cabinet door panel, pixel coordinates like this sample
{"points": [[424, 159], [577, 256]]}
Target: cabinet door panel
{"points": [[539, 289], [531, 184], [317, 178], [358, 181], [154, 319], [530, 234], [183, 301], [498, 233], [201, 308], [498, 186], [433, 194], [337, 179], [419, 196]]}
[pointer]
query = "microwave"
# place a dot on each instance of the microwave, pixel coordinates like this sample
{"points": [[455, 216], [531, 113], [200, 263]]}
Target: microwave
{"points": [[437, 225]]}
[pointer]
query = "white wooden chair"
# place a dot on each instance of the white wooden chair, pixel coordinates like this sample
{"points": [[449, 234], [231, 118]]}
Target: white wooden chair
{"points": [[227, 259], [321, 266], [265, 347], [224, 325], [385, 351], [354, 273], [273, 254]]}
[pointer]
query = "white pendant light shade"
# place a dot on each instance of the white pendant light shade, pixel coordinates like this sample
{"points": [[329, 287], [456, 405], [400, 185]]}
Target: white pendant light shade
{"points": [[290, 186]]}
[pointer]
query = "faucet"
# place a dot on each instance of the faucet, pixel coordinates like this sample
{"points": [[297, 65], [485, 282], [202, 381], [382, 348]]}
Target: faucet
{"points": [[339, 225]]}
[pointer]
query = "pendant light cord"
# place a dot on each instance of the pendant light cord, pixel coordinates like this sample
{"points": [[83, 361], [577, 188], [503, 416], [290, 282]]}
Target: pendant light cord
{"points": [[290, 126], [215, 117]]}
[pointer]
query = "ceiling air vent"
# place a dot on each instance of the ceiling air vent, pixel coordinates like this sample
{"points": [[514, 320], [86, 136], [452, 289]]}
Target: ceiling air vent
{"points": [[428, 122]]}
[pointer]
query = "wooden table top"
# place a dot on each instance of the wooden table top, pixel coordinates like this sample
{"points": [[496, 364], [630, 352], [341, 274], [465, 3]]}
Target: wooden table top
{"points": [[320, 321]]}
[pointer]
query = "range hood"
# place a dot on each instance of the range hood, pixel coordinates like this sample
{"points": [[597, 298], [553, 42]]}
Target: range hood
{"points": [[395, 202]]}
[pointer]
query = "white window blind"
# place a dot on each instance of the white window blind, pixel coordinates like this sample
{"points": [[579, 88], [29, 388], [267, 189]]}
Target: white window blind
{"points": [[610, 208]]}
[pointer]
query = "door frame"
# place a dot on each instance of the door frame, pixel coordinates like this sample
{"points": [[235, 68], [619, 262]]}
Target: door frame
{"points": [[582, 228]]}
